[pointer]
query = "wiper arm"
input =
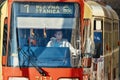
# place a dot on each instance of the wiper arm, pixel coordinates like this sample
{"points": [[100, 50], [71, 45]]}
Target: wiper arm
{"points": [[40, 70]]}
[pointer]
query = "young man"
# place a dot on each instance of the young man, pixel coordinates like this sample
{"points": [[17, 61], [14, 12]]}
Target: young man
{"points": [[58, 41]]}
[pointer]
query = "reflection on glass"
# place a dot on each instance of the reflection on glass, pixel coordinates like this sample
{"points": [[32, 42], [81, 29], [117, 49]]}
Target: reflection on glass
{"points": [[36, 28]]}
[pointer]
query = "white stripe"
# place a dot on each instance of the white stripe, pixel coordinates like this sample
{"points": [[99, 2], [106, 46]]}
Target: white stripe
{"points": [[57, 23]]}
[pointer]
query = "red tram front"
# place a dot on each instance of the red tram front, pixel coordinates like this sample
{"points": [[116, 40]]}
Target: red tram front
{"points": [[31, 25]]}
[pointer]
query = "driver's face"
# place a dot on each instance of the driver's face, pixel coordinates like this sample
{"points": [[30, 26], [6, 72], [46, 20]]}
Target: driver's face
{"points": [[58, 35]]}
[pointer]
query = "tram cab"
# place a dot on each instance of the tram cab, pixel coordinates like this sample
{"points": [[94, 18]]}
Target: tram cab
{"points": [[31, 25]]}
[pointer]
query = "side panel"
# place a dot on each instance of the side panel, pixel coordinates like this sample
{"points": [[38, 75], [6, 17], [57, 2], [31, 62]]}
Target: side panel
{"points": [[108, 47], [115, 65], [4, 13], [32, 74]]}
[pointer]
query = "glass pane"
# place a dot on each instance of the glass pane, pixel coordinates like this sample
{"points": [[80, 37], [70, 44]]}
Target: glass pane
{"points": [[42, 36], [45, 38], [43, 46]]}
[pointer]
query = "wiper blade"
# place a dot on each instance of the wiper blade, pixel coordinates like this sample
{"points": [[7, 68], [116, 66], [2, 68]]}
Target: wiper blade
{"points": [[40, 70]]}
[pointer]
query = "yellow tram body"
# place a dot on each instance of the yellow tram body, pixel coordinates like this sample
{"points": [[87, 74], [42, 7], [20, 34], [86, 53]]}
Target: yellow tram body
{"points": [[3, 15], [104, 33]]}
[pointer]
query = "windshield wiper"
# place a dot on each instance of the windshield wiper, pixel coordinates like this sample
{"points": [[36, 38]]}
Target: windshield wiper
{"points": [[40, 70]]}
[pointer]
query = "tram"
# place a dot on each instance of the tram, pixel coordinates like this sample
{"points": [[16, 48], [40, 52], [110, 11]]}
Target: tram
{"points": [[101, 29], [26, 27]]}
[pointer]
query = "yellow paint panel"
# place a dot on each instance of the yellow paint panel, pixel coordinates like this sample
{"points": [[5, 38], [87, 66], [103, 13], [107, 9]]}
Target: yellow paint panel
{"points": [[87, 11], [4, 13]]}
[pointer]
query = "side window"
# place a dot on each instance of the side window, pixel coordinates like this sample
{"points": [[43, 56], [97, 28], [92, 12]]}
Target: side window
{"points": [[97, 25], [88, 43], [108, 33], [5, 36], [98, 40], [75, 40]]}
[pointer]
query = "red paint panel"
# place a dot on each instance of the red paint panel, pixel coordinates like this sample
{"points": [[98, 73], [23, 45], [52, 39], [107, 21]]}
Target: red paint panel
{"points": [[32, 73]]}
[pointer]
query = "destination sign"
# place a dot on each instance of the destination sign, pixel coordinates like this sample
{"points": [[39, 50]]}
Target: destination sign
{"points": [[47, 8]]}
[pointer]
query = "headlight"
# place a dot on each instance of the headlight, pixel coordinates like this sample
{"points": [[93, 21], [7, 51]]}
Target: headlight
{"points": [[17, 78], [68, 79]]}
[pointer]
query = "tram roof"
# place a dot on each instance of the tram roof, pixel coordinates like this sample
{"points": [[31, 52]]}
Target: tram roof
{"points": [[113, 13], [96, 8], [87, 11], [102, 10]]}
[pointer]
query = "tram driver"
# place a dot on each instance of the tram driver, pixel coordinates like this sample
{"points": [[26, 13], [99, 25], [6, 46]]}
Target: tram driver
{"points": [[58, 41]]}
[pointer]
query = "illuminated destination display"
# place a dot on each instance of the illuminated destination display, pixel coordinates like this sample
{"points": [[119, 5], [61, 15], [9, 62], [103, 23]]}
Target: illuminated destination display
{"points": [[47, 8]]}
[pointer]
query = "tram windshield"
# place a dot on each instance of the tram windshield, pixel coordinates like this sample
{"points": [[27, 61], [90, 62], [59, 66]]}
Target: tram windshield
{"points": [[47, 33]]}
